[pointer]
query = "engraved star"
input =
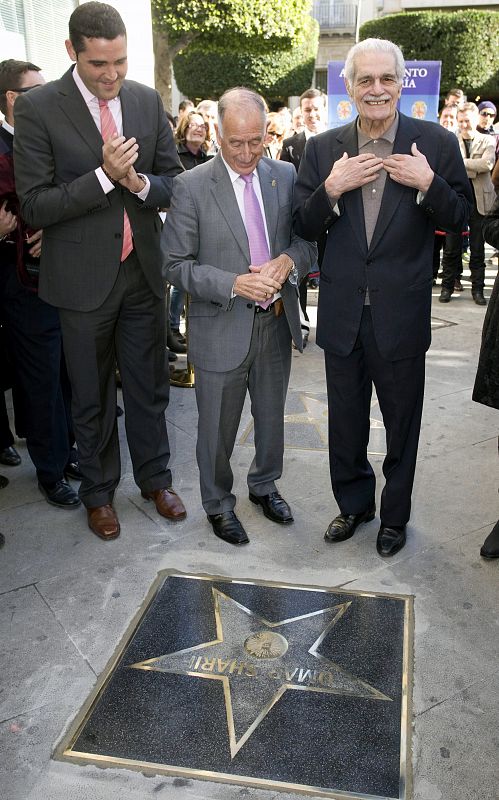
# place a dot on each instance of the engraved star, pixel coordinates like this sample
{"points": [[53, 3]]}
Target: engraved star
{"points": [[257, 661]]}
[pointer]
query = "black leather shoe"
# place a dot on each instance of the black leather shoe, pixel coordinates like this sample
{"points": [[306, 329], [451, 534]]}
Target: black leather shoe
{"points": [[72, 470], [10, 457], [227, 527], [171, 355], [344, 525], [174, 344], [60, 494], [479, 298], [444, 296], [390, 540], [490, 547], [274, 506]]}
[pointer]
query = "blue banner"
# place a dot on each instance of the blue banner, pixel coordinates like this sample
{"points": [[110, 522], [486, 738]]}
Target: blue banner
{"points": [[419, 98]]}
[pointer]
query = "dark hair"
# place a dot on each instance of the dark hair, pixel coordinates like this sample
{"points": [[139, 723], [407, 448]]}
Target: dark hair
{"points": [[94, 21], [312, 94], [11, 72], [185, 104]]}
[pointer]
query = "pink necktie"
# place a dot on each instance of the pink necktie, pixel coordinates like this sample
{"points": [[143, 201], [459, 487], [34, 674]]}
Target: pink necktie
{"points": [[108, 131], [255, 228]]}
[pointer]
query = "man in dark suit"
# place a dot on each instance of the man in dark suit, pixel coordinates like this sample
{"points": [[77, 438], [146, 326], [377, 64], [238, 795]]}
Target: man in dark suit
{"points": [[94, 159], [313, 109], [379, 186], [30, 326], [229, 243]]}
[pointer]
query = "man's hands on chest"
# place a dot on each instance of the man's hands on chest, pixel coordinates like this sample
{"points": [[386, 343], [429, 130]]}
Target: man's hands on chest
{"points": [[353, 172]]}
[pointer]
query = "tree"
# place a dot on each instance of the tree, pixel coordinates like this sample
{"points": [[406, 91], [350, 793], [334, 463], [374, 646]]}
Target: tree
{"points": [[464, 41], [205, 69], [227, 23]]}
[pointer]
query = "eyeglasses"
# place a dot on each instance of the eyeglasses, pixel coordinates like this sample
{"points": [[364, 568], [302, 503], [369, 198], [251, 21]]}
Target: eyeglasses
{"points": [[487, 114], [193, 125], [274, 133], [22, 89]]}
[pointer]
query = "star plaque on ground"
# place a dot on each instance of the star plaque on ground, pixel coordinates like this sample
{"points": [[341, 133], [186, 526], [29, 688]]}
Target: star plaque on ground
{"points": [[269, 685]]}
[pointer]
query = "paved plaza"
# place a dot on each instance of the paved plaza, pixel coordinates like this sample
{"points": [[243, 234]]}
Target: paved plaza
{"points": [[67, 598]]}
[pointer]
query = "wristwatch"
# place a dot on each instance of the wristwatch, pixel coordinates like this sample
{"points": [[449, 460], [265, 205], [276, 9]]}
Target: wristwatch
{"points": [[293, 274]]}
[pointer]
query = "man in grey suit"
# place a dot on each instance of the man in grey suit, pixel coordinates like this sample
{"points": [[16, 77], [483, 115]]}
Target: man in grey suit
{"points": [[229, 242], [94, 159]]}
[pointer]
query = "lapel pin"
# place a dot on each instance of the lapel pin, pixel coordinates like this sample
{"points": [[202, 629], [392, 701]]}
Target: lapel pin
{"points": [[274, 184]]}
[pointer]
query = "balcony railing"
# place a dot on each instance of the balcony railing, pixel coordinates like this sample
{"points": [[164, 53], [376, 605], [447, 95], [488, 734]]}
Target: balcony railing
{"points": [[331, 15]]}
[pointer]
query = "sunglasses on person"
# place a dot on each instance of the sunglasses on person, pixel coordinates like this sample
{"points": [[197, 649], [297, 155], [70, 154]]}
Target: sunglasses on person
{"points": [[487, 114]]}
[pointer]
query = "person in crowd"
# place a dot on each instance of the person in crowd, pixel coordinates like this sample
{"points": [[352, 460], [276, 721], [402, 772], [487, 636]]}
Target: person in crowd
{"points": [[30, 325], [298, 125], [478, 154], [450, 242], [274, 135], [208, 110], [314, 113], [379, 186], [487, 114], [486, 388], [287, 120], [184, 108], [94, 160], [229, 243], [193, 143], [455, 98]]}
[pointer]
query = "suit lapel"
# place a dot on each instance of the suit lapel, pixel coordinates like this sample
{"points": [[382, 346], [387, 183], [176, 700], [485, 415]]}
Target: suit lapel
{"points": [[130, 112], [223, 195], [74, 107], [407, 133], [268, 187], [347, 142]]}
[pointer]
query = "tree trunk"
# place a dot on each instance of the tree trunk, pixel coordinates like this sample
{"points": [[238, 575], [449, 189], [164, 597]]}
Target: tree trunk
{"points": [[164, 53], [163, 59]]}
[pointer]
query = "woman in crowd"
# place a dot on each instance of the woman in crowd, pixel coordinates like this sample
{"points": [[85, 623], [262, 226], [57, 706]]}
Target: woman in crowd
{"points": [[486, 389], [274, 135]]}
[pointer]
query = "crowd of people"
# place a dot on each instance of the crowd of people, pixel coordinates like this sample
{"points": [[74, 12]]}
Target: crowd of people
{"points": [[255, 204]]}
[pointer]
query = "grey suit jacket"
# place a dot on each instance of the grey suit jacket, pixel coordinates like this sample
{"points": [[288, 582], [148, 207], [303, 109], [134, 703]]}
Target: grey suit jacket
{"points": [[205, 247], [57, 148]]}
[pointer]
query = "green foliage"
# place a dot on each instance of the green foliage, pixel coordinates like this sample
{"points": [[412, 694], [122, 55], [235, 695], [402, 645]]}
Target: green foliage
{"points": [[207, 68], [464, 41], [278, 21]]}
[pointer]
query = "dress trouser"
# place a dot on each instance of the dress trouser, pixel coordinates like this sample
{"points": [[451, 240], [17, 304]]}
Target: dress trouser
{"points": [[477, 251], [400, 388], [128, 328], [220, 399], [33, 337], [452, 260]]}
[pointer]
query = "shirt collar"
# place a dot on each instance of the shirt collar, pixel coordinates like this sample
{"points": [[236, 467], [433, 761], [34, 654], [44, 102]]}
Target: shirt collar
{"points": [[8, 127], [389, 135]]}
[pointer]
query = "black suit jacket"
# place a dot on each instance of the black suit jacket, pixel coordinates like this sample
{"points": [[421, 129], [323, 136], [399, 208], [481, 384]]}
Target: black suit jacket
{"points": [[397, 266], [292, 149], [57, 148]]}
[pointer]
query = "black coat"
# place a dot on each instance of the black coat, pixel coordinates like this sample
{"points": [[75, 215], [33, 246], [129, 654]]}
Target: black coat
{"points": [[486, 389]]}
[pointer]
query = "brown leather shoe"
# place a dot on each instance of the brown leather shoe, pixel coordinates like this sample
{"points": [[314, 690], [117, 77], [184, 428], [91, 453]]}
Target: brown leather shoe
{"points": [[102, 520], [167, 502]]}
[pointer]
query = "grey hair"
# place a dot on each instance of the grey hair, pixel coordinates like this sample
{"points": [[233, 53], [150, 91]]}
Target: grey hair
{"points": [[378, 46], [242, 99]]}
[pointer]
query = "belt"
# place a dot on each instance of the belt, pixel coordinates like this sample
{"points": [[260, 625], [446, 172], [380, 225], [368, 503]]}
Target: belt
{"points": [[277, 307]]}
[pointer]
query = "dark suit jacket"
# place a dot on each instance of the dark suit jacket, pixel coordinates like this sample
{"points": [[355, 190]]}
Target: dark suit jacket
{"points": [[397, 266], [292, 149], [486, 389], [57, 147]]}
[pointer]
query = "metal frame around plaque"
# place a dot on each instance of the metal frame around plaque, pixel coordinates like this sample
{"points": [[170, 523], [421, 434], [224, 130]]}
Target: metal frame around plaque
{"points": [[64, 750]]}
